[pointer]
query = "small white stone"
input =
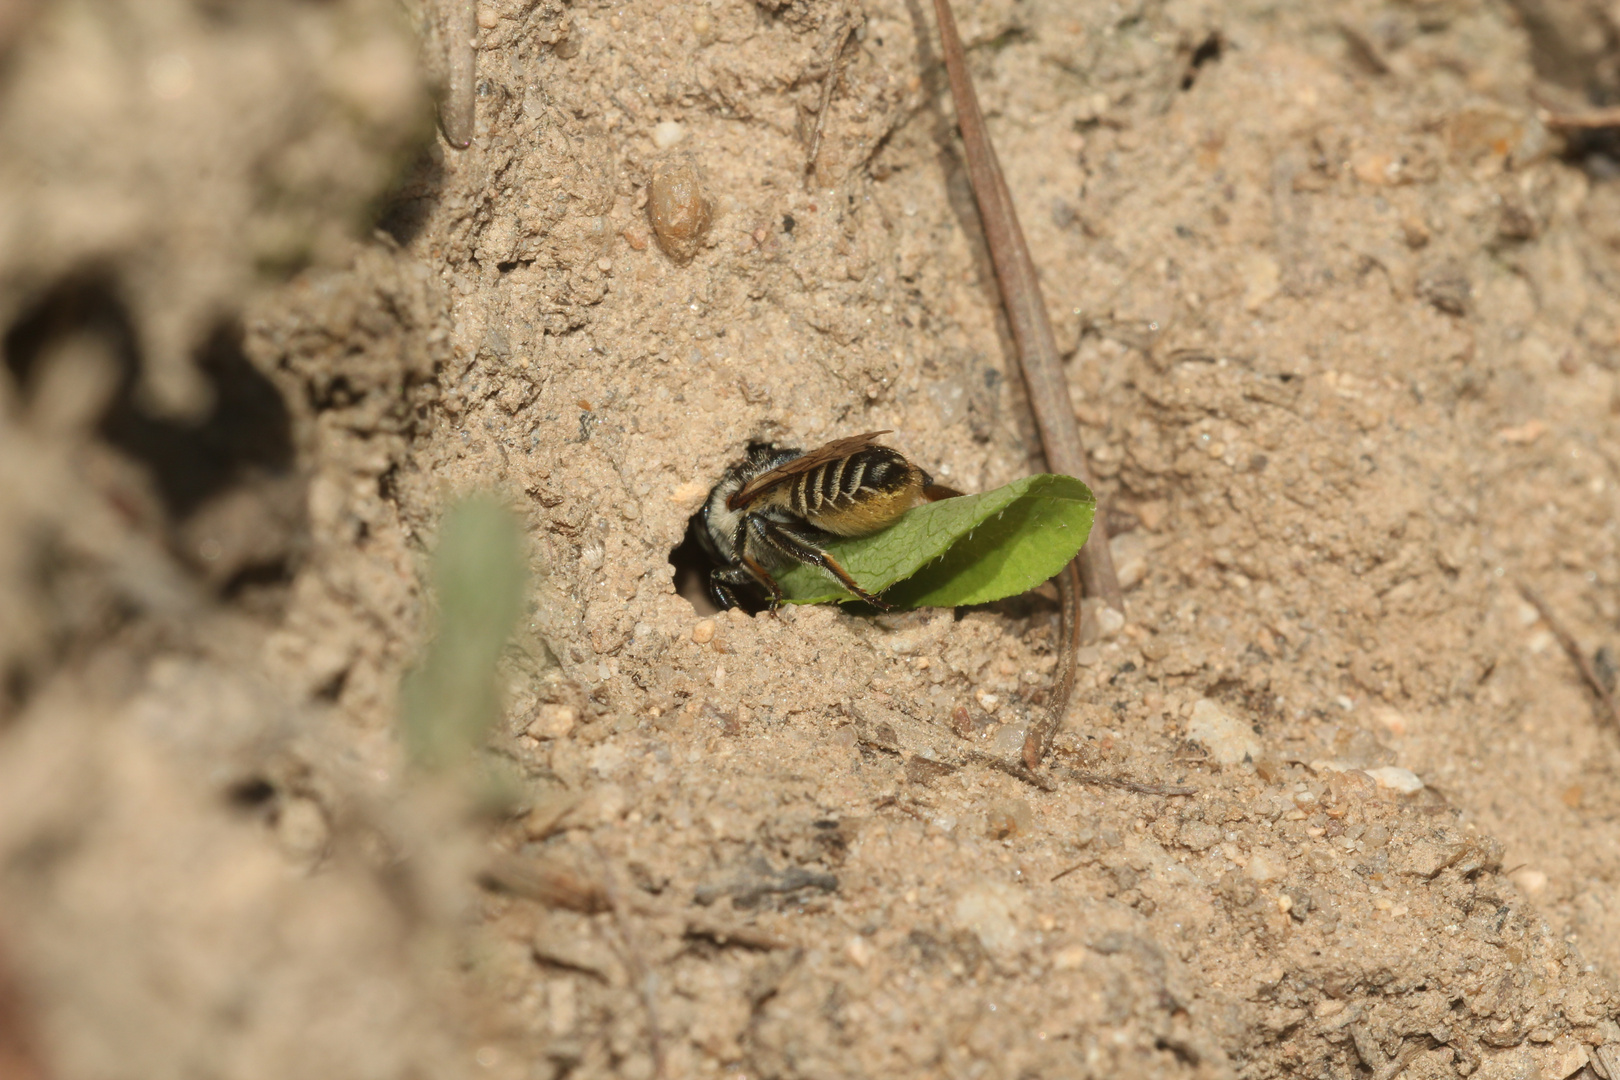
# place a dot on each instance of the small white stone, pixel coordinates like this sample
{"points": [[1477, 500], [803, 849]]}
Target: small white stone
{"points": [[667, 134], [1229, 740], [1531, 881], [1071, 958], [987, 701], [1395, 778]]}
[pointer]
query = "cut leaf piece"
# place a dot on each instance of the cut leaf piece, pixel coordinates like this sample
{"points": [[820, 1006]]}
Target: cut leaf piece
{"points": [[968, 550]]}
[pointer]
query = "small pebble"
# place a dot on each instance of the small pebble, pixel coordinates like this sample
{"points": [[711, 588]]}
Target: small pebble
{"points": [[678, 209], [488, 17], [987, 701], [1009, 818], [667, 134], [1414, 231], [1009, 740], [552, 722], [1071, 958], [1375, 167], [1264, 867], [1563, 1059], [604, 265], [1524, 434], [1531, 881], [1262, 278], [1404, 781], [1130, 553], [703, 632]]}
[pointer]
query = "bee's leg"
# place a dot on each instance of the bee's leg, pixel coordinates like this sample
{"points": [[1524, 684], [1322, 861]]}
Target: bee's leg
{"points": [[724, 586], [762, 576], [801, 545], [748, 529]]}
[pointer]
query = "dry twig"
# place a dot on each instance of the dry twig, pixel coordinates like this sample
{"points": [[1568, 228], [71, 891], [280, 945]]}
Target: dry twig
{"points": [[746, 936], [548, 881], [1401, 1060], [1573, 649], [835, 68], [545, 880], [1092, 572], [461, 47], [1119, 782], [1583, 121]]}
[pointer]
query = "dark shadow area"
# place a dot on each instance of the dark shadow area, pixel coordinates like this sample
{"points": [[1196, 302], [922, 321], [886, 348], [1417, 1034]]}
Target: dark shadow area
{"points": [[1596, 152], [248, 429], [407, 207], [1208, 51], [692, 565]]}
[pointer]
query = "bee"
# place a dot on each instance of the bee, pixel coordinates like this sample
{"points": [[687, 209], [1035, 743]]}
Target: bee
{"points": [[780, 505]]}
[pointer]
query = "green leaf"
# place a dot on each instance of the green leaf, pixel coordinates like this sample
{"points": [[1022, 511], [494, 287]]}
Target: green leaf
{"points": [[968, 550]]}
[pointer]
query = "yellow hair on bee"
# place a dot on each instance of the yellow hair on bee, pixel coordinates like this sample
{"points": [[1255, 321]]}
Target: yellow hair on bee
{"points": [[873, 512]]}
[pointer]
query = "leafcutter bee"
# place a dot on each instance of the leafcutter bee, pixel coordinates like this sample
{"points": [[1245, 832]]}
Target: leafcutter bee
{"points": [[780, 505]]}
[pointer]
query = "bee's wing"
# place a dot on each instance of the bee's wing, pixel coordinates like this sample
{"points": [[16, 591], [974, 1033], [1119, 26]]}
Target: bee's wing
{"points": [[804, 463]]}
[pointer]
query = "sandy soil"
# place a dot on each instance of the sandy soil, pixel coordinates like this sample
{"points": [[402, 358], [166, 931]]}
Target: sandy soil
{"points": [[1343, 321]]}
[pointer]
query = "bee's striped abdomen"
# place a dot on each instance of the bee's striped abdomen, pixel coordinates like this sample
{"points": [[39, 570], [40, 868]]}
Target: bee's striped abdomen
{"points": [[855, 495], [838, 484]]}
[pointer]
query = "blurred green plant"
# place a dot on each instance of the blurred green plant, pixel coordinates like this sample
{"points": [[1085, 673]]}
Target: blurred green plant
{"points": [[478, 579]]}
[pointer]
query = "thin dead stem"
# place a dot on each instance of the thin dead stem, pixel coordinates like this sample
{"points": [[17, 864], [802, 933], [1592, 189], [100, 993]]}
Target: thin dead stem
{"points": [[1038, 740], [1573, 649], [835, 68], [1122, 784], [1093, 572], [1402, 1059], [1583, 121], [461, 45]]}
